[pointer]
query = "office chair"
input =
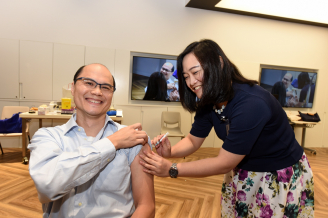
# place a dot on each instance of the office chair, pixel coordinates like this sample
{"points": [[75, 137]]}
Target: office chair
{"points": [[8, 112], [171, 122]]}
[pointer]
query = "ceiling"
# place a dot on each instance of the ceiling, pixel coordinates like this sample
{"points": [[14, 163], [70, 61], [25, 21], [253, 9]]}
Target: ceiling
{"points": [[300, 11]]}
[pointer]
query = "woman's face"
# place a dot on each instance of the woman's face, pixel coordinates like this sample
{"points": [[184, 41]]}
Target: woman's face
{"points": [[193, 74]]}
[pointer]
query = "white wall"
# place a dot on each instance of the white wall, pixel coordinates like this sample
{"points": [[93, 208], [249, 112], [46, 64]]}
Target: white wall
{"points": [[167, 27]]}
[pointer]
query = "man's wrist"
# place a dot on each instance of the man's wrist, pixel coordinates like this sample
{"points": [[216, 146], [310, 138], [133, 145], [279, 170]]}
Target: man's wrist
{"points": [[114, 142]]}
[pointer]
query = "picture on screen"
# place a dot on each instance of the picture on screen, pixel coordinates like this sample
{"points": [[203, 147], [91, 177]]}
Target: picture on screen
{"points": [[154, 78], [293, 87]]}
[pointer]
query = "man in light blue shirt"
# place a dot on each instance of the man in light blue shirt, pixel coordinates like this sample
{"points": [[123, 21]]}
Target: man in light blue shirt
{"points": [[287, 80], [89, 166], [172, 83]]}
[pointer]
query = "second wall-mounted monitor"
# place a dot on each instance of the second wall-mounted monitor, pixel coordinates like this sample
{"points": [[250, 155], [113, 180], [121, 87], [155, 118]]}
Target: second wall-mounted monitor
{"points": [[293, 87], [154, 77]]}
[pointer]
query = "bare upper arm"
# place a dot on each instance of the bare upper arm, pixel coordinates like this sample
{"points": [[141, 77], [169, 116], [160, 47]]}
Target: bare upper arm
{"points": [[229, 160], [142, 183], [196, 141]]}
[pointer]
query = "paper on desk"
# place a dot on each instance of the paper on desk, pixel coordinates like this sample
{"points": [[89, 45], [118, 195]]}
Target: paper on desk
{"points": [[292, 116], [119, 113]]}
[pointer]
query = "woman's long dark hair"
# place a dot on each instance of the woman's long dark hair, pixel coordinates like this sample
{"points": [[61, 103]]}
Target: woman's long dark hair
{"points": [[217, 80], [157, 87], [303, 79], [279, 91]]}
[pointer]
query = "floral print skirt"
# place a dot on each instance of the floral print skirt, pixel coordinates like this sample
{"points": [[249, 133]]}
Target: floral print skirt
{"points": [[283, 193]]}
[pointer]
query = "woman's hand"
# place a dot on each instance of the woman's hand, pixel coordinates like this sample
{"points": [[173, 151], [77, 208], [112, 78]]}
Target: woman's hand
{"points": [[164, 147], [155, 164]]}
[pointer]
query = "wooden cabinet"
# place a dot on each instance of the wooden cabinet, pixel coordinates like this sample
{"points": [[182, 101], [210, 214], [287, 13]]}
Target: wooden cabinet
{"points": [[67, 60], [9, 69], [131, 114], [35, 64]]}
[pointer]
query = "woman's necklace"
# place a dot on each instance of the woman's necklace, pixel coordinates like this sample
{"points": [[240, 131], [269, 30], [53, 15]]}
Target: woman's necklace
{"points": [[219, 111], [223, 118]]}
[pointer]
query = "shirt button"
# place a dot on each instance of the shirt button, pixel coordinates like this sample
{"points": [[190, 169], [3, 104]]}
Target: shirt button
{"points": [[108, 160], [79, 129], [80, 204], [85, 139]]}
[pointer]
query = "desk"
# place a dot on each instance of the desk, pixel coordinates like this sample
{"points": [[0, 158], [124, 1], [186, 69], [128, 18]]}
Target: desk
{"points": [[304, 125], [26, 116]]}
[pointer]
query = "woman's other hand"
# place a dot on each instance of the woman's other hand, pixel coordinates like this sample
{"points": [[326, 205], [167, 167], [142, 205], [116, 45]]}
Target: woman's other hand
{"points": [[155, 164], [164, 147]]}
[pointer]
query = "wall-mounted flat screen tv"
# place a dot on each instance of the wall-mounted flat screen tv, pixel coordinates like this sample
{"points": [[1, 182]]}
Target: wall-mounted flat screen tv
{"points": [[293, 87], [154, 77]]}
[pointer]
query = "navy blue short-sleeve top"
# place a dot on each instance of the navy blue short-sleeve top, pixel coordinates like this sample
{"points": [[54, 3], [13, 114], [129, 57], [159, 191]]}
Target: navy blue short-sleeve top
{"points": [[258, 128]]}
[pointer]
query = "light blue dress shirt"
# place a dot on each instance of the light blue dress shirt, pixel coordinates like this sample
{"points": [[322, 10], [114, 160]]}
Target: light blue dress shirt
{"points": [[81, 176], [288, 97]]}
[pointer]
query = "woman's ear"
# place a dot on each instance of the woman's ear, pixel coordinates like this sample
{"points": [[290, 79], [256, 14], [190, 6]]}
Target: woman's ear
{"points": [[221, 61]]}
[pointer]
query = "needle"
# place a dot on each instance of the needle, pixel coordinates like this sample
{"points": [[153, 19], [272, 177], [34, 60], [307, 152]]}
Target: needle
{"points": [[162, 138]]}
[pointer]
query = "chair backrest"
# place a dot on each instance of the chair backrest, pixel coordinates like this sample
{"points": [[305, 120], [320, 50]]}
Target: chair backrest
{"points": [[8, 111], [171, 118]]}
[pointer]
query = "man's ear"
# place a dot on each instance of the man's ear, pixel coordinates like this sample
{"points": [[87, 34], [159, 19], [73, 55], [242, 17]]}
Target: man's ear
{"points": [[72, 88], [221, 61]]}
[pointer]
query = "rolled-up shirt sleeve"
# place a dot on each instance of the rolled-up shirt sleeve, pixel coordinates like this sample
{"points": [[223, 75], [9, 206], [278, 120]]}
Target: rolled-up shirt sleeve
{"points": [[134, 151]]}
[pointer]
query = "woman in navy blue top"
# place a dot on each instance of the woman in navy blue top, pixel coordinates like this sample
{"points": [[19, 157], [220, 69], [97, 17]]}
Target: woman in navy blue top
{"points": [[266, 171]]}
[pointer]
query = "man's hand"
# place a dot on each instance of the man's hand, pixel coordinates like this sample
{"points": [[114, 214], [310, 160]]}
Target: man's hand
{"points": [[171, 86], [289, 94], [129, 136], [294, 102], [174, 95]]}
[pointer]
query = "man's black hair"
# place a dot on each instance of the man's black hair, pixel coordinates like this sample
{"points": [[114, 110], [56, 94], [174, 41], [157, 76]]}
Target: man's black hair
{"points": [[79, 71]]}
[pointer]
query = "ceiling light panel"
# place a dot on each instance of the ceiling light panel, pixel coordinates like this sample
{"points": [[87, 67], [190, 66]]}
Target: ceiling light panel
{"points": [[306, 10]]}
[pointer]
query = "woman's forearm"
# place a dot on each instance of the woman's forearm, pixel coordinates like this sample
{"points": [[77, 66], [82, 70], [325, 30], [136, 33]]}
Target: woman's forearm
{"points": [[156, 165], [186, 146], [221, 164], [202, 168]]}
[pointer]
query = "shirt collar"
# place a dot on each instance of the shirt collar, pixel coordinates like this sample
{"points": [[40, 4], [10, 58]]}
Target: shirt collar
{"points": [[72, 123]]}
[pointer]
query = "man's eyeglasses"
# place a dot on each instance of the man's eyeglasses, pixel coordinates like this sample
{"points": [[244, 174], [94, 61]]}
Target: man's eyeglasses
{"points": [[287, 80], [167, 70], [91, 84]]}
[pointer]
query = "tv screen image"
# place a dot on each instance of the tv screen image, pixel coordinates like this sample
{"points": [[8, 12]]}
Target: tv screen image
{"points": [[154, 77], [293, 87]]}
